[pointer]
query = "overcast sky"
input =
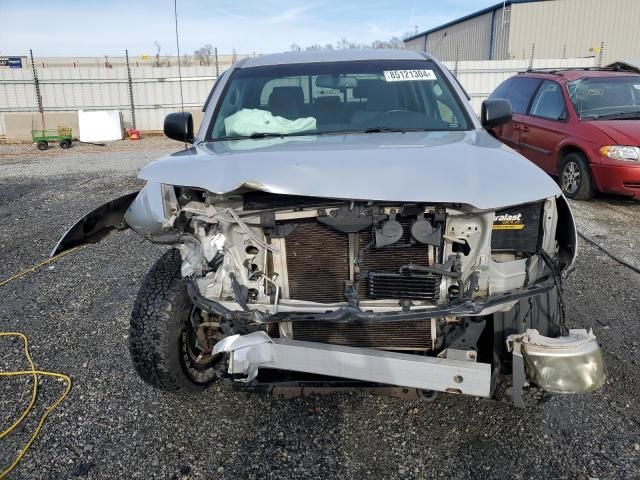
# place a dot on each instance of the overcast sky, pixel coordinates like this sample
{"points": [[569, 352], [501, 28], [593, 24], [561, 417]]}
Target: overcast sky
{"points": [[107, 27]]}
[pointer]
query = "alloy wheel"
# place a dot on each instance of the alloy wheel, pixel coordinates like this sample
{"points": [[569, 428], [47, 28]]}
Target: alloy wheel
{"points": [[571, 177]]}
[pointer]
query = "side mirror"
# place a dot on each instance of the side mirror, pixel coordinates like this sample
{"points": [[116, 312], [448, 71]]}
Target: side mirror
{"points": [[179, 126], [495, 112], [564, 115]]}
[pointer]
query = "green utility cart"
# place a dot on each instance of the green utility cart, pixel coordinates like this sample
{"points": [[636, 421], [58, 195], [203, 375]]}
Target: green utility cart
{"points": [[42, 137]]}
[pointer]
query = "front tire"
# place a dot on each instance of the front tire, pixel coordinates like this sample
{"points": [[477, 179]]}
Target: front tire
{"points": [[161, 339], [575, 177]]}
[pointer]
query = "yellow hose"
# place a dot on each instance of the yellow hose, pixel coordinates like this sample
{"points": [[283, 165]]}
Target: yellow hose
{"points": [[36, 266], [34, 373]]}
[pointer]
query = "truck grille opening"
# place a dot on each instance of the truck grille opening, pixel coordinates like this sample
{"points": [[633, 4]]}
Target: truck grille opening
{"points": [[318, 265], [415, 336]]}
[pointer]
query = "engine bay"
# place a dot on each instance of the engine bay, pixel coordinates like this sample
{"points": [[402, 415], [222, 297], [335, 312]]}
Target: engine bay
{"points": [[278, 254]]}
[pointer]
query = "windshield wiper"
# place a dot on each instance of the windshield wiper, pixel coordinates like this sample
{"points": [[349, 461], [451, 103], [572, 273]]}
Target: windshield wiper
{"points": [[384, 129], [618, 115], [267, 135], [258, 135]]}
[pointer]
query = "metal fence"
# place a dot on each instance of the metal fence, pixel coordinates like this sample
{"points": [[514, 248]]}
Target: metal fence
{"points": [[156, 91]]}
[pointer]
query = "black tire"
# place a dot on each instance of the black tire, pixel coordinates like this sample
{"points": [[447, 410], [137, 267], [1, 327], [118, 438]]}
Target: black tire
{"points": [[43, 146], [575, 177], [65, 144], [160, 331]]}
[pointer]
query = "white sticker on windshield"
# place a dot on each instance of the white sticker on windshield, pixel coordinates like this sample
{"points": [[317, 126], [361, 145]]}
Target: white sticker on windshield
{"points": [[636, 86], [405, 75]]}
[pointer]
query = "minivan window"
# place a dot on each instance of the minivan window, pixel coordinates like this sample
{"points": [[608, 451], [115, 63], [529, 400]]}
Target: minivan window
{"points": [[502, 89], [520, 93], [606, 97], [548, 102], [337, 97]]}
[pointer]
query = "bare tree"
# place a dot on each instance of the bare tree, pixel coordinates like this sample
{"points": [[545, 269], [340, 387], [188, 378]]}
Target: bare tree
{"points": [[393, 42], [157, 62], [204, 55], [344, 44], [409, 33]]}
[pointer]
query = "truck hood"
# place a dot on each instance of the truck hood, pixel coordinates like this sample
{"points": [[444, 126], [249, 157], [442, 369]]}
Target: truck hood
{"points": [[468, 167], [622, 132]]}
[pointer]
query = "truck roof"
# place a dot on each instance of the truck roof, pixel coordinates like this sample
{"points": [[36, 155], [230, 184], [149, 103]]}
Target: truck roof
{"points": [[346, 55], [570, 74]]}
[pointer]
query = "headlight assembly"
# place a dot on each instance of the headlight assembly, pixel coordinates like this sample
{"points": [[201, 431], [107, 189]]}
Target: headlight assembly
{"points": [[621, 152]]}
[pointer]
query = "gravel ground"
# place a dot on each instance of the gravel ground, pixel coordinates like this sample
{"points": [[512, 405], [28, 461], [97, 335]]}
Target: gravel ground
{"points": [[113, 426]]}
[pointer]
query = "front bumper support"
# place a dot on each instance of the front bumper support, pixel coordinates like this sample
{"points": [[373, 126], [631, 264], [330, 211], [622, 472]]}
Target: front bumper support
{"points": [[248, 353], [354, 314]]}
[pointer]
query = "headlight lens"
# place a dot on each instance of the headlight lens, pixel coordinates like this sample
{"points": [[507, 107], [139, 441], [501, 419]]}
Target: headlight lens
{"points": [[621, 152]]}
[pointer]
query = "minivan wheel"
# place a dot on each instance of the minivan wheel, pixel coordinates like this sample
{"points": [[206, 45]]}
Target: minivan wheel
{"points": [[575, 177], [163, 345]]}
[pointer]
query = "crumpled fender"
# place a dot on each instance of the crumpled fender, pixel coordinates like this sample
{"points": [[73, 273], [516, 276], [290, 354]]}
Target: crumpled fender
{"points": [[566, 235], [96, 225], [145, 212]]}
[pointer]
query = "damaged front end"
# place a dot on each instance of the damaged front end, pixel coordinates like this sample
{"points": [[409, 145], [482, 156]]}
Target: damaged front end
{"points": [[311, 291]]}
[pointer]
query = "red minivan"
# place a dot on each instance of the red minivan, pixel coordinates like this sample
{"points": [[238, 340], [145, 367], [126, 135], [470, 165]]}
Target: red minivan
{"points": [[580, 125]]}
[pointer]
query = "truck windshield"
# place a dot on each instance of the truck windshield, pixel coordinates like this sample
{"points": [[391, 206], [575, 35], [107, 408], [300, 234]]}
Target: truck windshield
{"points": [[606, 97], [338, 97]]}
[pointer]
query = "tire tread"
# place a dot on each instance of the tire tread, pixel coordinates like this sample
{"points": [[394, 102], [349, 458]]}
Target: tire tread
{"points": [[154, 327]]}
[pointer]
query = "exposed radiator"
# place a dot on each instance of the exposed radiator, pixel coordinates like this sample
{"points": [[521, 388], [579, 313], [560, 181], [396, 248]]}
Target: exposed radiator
{"points": [[317, 262], [385, 335], [318, 265]]}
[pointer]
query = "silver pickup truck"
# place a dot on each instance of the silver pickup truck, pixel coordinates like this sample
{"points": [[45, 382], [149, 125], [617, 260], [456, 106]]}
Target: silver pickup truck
{"points": [[343, 220]]}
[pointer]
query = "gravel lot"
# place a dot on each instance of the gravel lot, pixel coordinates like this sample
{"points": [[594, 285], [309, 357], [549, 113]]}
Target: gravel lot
{"points": [[76, 315]]}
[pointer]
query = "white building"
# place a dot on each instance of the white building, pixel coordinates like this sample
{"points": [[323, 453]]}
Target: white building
{"points": [[518, 29]]}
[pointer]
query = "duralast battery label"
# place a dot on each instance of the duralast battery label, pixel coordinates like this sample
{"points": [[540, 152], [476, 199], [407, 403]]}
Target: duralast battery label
{"points": [[508, 221], [517, 229]]}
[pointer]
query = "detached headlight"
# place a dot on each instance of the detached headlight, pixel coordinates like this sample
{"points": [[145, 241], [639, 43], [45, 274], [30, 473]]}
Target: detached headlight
{"points": [[621, 152]]}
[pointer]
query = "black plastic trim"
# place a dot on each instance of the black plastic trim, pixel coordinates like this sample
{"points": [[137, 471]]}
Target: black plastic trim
{"points": [[350, 314]]}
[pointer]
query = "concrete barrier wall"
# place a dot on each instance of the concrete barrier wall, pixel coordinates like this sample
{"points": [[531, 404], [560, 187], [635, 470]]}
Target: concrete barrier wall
{"points": [[18, 126], [156, 91]]}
